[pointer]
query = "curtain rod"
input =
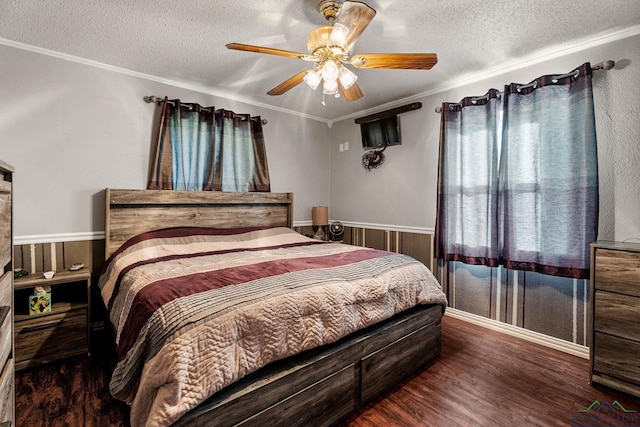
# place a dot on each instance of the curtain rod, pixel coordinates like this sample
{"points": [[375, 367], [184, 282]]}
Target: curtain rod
{"points": [[604, 65], [155, 99]]}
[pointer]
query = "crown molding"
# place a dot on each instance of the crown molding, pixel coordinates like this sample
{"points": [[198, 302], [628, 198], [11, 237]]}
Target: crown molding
{"points": [[508, 66], [183, 85]]}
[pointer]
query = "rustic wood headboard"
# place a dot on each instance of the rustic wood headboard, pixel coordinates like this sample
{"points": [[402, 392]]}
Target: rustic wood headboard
{"points": [[131, 212]]}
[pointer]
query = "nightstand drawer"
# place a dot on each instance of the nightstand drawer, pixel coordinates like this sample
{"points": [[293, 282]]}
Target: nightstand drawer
{"points": [[617, 314], [50, 337], [617, 271], [617, 357]]}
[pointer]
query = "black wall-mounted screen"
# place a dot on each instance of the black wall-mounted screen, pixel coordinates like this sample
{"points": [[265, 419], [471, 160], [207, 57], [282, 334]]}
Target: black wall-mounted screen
{"points": [[381, 132]]}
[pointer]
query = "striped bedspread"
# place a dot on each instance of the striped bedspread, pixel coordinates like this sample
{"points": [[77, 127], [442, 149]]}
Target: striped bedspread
{"points": [[196, 309]]}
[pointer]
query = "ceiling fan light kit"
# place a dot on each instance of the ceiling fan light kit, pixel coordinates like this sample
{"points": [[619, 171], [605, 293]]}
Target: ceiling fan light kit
{"points": [[347, 77], [339, 34], [312, 78], [330, 48], [330, 70], [330, 87]]}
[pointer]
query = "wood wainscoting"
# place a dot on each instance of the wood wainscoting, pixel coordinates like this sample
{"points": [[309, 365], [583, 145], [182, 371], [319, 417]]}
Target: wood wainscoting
{"points": [[35, 258], [502, 298], [58, 256], [416, 245]]}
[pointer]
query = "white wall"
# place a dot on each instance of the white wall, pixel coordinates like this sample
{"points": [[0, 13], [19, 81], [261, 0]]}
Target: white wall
{"points": [[71, 130], [402, 192]]}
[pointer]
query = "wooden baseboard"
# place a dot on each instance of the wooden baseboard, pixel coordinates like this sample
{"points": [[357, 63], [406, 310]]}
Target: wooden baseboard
{"points": [[532, 336]]}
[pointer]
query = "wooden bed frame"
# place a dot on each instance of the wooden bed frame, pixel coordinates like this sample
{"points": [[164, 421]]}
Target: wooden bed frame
{"points": [[316, 388], [131, 212]]}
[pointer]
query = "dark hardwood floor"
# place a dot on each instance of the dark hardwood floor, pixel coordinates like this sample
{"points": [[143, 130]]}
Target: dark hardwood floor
{"points": [[487, 378], [71, 393], [483, 378]]}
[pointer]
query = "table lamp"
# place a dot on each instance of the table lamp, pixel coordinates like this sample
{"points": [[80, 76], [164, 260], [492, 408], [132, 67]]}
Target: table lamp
{"points": [[320, 220]]}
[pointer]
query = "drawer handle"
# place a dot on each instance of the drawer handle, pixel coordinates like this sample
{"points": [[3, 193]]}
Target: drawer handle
{"points": [[42, 326]]}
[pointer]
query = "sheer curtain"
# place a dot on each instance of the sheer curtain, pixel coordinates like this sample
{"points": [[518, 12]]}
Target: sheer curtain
{"points": [[206, 149], [467, 221], [546, 211]]}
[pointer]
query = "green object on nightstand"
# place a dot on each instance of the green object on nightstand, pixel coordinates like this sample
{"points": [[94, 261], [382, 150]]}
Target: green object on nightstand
{"points": [[19, 273]]}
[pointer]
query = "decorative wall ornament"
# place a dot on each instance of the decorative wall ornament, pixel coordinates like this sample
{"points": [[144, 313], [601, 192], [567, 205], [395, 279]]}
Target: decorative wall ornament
{"points": [[373, 159]]}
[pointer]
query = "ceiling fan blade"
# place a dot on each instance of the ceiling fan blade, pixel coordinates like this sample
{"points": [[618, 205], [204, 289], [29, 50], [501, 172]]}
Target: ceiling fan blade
{"points": [[267, 50], [355, 16], [288, 84], [406, 61], [352, 94]]}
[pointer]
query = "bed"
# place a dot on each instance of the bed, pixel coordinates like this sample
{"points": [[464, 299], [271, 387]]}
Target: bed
{"points": [[223, 315]]}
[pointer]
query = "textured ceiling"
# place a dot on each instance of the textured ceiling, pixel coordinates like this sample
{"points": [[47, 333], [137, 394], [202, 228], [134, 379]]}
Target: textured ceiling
{"points": [[184, 42]]}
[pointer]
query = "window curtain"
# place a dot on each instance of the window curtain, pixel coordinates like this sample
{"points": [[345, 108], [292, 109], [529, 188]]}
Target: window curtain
{"points": [[534, 206], [468, 181], [203, 149]]}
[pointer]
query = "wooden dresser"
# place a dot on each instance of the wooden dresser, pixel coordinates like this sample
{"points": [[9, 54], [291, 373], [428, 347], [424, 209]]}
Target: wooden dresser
{"points": [[615, 303], [6, 298]]}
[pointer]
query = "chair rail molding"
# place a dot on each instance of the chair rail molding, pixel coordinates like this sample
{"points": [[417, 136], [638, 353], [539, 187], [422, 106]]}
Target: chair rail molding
{"points": [[55, 238]]}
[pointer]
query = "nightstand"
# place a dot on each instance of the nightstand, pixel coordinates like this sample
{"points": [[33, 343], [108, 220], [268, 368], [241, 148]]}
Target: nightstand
{"points": [[54, 335]]}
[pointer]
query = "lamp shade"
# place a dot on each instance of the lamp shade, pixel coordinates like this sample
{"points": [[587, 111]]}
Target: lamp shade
{"points": [[320, 215], [330, 87], [339, 34], [347, 77], [330, 70], [312, 78]]}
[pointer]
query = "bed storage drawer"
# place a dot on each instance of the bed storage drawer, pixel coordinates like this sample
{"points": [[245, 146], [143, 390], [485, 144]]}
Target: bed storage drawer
{"points": [[50, 337], [400, 357], [335, 394]]}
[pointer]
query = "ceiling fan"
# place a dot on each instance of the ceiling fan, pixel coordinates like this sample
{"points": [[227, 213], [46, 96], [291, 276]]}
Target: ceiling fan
{"points": [[330, 49]]}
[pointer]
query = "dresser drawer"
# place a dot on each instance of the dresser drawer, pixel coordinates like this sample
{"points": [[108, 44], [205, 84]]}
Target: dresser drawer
{"points": [[6, 322], [5, 223], [50, 337], [6, 392], [617, 357], [617, 271], [6, 289], [617, 314]]}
